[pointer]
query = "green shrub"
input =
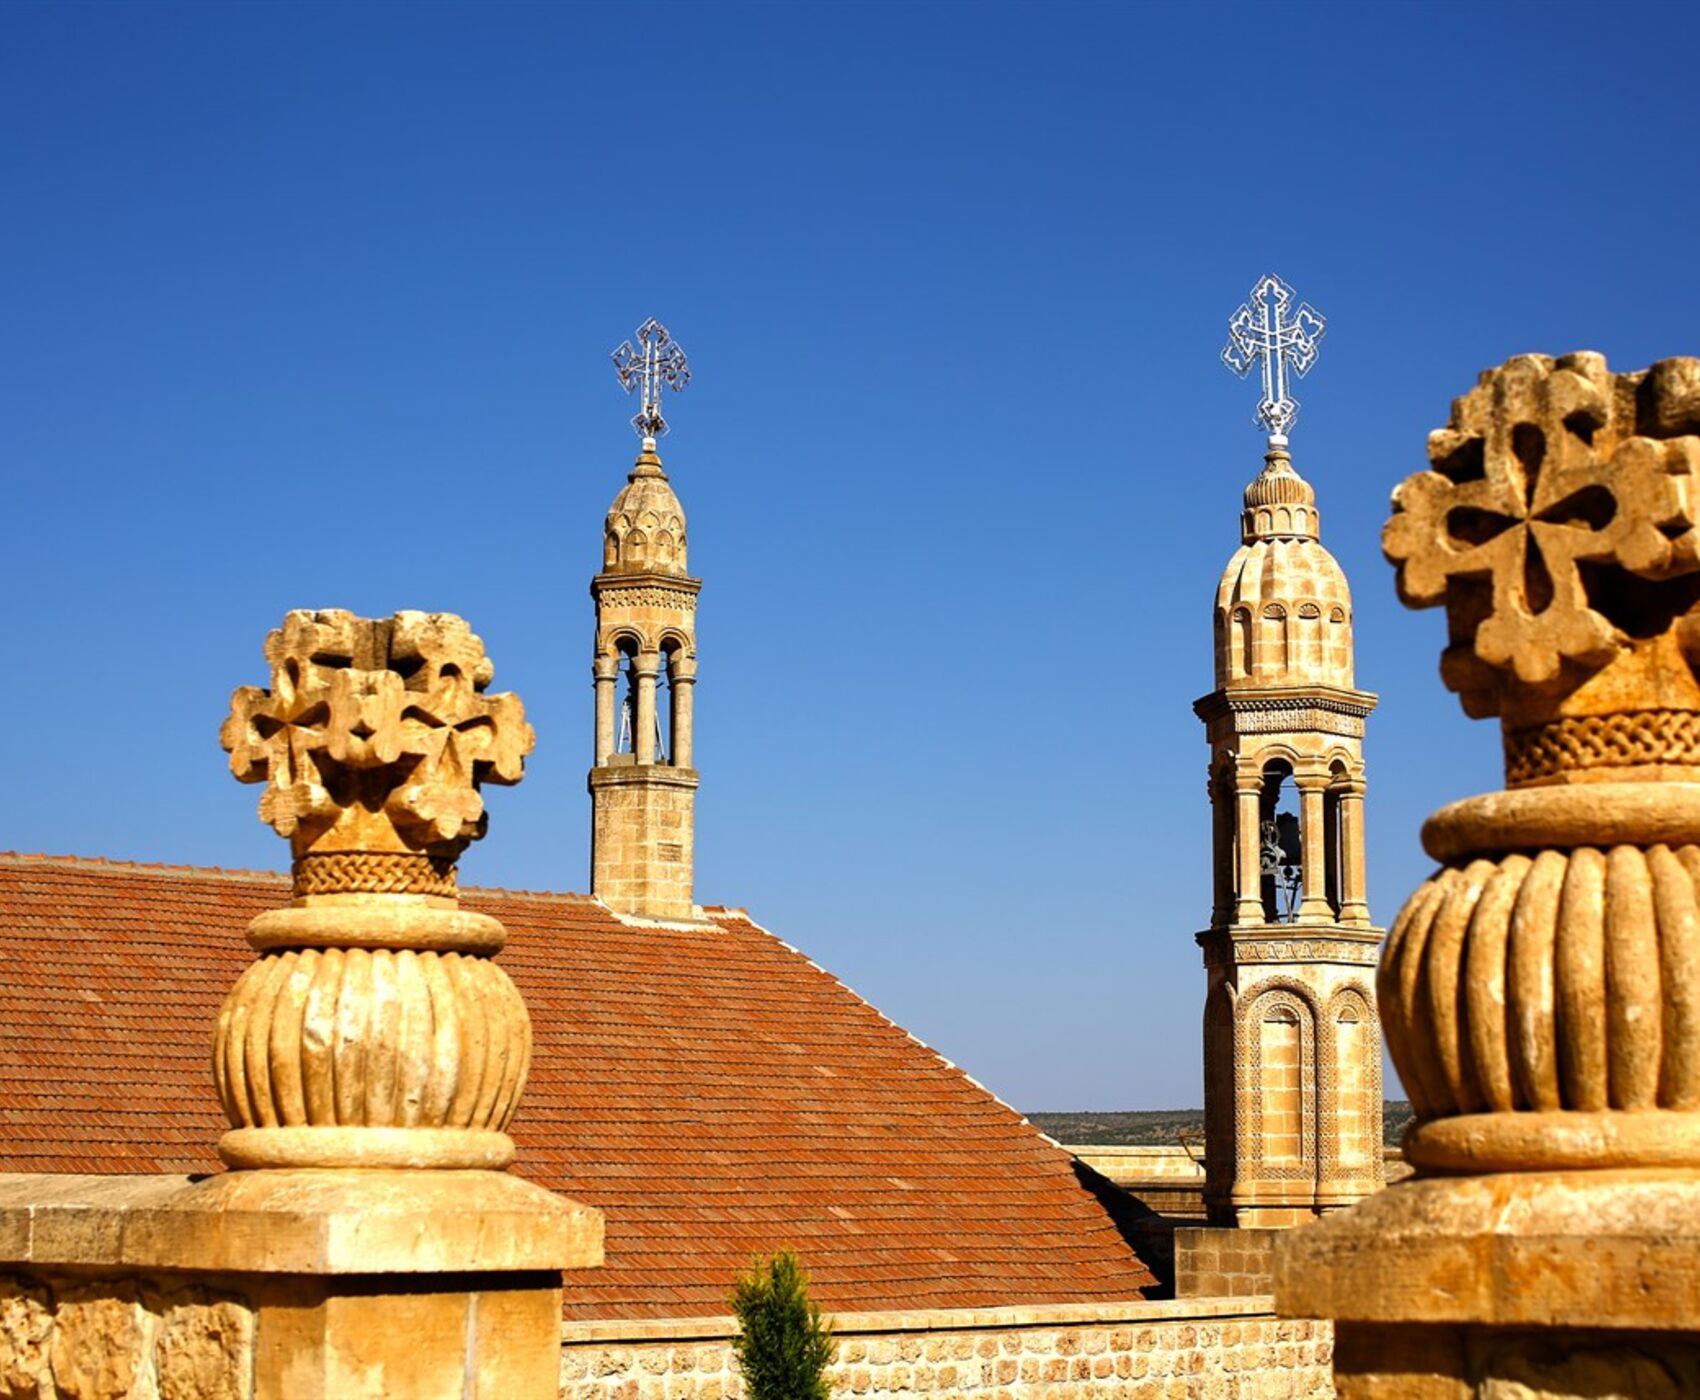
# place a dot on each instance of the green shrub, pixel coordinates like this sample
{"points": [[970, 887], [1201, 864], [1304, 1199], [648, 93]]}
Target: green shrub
{"points": [[783, 1346]]}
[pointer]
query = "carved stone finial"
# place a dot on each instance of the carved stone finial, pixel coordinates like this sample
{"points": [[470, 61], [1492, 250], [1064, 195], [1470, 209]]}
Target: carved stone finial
{"points": [[374, 1029], [1556, 523], [373, 743], [1542, 992]]}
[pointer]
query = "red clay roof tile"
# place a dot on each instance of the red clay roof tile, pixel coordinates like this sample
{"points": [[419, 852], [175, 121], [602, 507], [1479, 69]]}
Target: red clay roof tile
{"points": [[713, 1091]]}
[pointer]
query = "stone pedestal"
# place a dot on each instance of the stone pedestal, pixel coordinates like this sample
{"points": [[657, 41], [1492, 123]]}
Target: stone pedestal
{"points": [[287, 1285], [1579, 1284]]}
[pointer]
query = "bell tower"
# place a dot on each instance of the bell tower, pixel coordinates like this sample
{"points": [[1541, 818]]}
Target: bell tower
{"points": [[643, 785], [1292, 1043]]}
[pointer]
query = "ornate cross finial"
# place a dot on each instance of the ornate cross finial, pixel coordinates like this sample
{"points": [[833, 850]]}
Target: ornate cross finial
{"points": [[375, 737], [1267, 329], [659, 361]]}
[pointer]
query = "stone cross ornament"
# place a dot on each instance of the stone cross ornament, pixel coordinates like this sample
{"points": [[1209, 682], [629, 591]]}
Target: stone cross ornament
{"points": [[374, 1030], [1542, 992], [373, 742]]}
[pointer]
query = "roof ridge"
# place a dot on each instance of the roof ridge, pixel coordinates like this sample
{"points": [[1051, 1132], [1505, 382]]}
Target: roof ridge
{"points": [[27, 858], [151, 867]]}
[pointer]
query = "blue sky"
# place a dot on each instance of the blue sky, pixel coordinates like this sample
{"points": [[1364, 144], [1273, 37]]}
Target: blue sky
{"points": [[310, 305]]}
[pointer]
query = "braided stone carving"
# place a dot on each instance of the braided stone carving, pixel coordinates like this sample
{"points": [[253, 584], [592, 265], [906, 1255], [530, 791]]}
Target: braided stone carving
{"points": [[374, 1030], [1541, 994]]}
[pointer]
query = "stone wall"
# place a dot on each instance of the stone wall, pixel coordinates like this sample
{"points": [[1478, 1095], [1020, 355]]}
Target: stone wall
{"points": [[1217, 1348], [65, 1338], [1170, 1179], [1221, 1263]]}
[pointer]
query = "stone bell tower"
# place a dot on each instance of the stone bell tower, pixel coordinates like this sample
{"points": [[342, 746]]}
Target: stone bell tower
{"points": [[643, 787], [1292, 1044]]}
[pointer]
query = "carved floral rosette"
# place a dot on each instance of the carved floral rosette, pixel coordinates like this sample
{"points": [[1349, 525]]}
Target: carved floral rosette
{"points": [[1541, 993], [374, 1029]]}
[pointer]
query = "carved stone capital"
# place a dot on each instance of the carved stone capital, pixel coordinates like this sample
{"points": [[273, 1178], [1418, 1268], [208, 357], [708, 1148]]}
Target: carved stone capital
{"points": [[373, 1030]]}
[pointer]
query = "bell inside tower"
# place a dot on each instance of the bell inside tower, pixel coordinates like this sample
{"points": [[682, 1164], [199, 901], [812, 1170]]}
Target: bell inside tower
{"points": [[1280, 854]]}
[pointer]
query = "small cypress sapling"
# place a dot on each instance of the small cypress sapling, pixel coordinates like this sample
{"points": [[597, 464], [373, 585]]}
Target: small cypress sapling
{"points": [[783, 1346]]}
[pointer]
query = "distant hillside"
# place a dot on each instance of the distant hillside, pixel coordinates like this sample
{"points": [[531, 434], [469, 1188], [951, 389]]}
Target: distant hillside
{"points": [[1162, 1127]]}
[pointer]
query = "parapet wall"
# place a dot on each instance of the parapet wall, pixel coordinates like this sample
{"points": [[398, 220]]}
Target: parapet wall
{"points": [[1231, 1349]]}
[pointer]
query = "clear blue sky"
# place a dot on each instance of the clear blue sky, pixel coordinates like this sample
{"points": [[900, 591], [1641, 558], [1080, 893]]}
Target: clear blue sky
{"points": [[310, 305]]}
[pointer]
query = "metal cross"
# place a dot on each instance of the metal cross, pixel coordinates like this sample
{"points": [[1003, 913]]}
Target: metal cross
{"points": [[1262, 330], [660, 361]]}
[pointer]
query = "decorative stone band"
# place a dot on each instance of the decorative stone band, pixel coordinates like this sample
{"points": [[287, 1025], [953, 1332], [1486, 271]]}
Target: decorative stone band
{"points": [[1230, 947], [317, 1047], [1544, 1012], [612, 594], [374, 872], [1638, 738]]}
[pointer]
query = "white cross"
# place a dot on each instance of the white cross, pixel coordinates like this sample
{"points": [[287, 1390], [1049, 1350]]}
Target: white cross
{"points": [[659, 362], [1261, 330]]}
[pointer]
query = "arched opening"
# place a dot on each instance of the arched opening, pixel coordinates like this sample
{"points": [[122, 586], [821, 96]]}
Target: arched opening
{"points": [[1222, 806], [625, 690], [1280, 859], [666, 701], [1334, 836]]}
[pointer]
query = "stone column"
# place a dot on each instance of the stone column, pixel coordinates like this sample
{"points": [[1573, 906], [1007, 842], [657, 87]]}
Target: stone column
{"points": [[1354, 904], [1541, 992], [644, 670], [371, 1057], [606, 670], [1248, 801], [682, 682], [1313, 849]]}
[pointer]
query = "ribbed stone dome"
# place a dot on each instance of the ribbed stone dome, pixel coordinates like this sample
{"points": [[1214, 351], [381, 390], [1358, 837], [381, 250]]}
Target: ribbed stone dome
{"points": [[645, 533], [1283, 608]]}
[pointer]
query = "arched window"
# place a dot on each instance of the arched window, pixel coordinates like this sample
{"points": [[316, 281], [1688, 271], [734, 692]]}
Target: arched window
{"points": [[1281, 1062], [1309, 645], [1240, 645], [1272, 657], [1354, 1081]]}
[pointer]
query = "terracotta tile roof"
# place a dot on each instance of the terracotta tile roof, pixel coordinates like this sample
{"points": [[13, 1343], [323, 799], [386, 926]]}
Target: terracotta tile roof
{"points": [[713, 1091]]}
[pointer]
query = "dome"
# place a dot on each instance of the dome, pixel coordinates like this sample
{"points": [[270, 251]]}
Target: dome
{"points": [[1279, 502], [645, 533], [1283, 609]]}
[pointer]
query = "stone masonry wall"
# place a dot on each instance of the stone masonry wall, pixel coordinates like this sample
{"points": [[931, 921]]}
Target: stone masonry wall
{"points": [[1218, 1263], [1203, 1349], [122, 1339]]}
